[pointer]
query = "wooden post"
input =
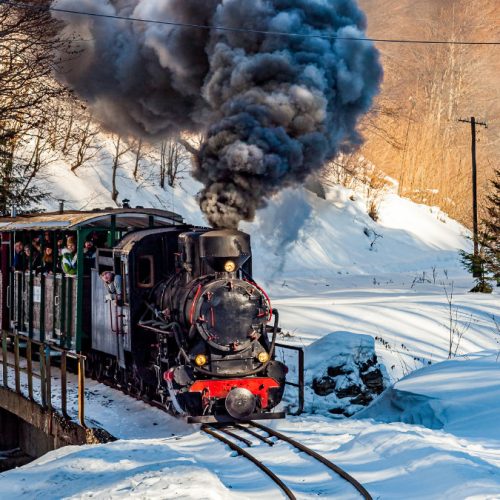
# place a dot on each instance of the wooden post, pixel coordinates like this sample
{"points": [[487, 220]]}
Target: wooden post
{"points": [[81, 390], [4, 360], [64, 386], [48, 377], [474, 190], [43, 382], [17, 374], [476, 273], [41, 325], [29, 368]]}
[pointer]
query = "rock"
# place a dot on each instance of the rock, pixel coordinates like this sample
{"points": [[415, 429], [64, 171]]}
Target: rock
{"points": [[343, 374], [336, 411], [374, 380], [350, 391], [363, 399], [335, 371], [371, 362], [323, 386]]}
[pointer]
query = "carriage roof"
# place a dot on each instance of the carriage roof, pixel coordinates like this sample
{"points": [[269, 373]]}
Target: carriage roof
{"points": [[120, 218]]}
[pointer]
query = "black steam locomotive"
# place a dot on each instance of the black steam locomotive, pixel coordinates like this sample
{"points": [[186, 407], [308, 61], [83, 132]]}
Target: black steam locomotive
{"points": [[180, 319]]}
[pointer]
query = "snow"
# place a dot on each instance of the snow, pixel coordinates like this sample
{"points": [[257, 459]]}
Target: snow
{"points": [[333, 273], [461, 396]]}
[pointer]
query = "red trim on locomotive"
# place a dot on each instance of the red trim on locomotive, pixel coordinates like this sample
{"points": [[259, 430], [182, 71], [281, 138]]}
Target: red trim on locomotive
{"points": [[220, 388], [193, 305]]}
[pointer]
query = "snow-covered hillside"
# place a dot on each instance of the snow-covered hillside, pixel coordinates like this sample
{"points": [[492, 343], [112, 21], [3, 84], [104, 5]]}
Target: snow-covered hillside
{"points": [[330, 269]]}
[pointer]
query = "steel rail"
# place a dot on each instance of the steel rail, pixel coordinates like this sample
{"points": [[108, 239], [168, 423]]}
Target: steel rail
{"points": [[253, 433], [233, 435], [335, 468], [209, 430]]}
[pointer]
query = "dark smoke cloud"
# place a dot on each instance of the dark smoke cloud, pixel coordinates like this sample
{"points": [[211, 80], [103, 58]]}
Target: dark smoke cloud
{"points": [[275, 108], [140, 79]]}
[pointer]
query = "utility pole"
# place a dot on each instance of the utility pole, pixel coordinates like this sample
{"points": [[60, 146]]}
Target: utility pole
{"points": [[473, 124]]}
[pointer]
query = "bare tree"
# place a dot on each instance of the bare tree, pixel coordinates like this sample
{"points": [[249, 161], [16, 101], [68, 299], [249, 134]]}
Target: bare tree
{"points": [[174, 159], [357, 173], [457, 326], [120, 149], [426, 89], [138, 156], [27, 95], [85, 146]]}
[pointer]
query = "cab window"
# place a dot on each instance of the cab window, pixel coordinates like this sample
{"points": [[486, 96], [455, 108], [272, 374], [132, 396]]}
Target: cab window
{"points": [[145, 271]]}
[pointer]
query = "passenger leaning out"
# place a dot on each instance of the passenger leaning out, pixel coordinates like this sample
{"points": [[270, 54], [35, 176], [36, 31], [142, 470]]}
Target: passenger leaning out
{"points": [[68, 258], [113, 284]]}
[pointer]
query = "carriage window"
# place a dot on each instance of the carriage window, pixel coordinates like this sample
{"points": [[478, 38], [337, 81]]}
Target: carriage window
{"points": [[145, 273]]}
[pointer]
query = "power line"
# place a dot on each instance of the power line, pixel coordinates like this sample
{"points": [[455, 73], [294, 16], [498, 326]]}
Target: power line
{"points": [[21, 5]]}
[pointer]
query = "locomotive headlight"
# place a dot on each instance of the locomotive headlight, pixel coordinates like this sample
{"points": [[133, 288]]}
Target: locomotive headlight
{"points": [[263, 357], [229, 266], [200, 360]]}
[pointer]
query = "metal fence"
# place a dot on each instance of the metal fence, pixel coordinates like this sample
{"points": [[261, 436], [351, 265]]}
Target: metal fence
{"points": [[44, 351], [300, 373]]}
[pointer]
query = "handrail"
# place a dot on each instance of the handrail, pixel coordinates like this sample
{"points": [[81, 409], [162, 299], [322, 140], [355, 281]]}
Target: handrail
{"points": [[44, 351], [300, 383]]}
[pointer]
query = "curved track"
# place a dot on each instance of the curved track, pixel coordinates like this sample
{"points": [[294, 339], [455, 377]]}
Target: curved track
{"points": [[250, 428], [218, 432]]}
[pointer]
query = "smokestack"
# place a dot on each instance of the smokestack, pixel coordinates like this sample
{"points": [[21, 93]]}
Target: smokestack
{"points": [[13, 211], [274, 108], [61, 206]]}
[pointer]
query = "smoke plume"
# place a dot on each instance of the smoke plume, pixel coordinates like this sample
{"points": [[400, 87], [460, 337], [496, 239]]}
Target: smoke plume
{"points": [[274, 108]]}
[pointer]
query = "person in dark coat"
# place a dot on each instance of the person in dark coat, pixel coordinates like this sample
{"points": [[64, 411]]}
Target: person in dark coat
{"points": [[31, 253], [47, 266], [18, 261], [113, 284], [88, 257]]}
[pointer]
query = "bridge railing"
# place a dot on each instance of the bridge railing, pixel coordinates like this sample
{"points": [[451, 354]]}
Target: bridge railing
{"points": [[44, 373]]}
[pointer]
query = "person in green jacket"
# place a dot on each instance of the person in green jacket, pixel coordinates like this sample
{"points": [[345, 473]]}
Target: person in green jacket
{"points": [[68, 257]]}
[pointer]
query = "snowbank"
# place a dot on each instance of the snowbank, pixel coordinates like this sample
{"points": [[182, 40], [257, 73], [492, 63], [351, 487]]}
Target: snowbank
{"points": [[460, 396]]}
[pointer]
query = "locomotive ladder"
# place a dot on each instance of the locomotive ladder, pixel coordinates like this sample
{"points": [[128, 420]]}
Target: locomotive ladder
{"points": [[218, 431]]}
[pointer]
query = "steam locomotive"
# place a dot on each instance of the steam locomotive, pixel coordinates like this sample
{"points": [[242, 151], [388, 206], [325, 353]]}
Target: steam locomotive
{"points": [[188, 326]]}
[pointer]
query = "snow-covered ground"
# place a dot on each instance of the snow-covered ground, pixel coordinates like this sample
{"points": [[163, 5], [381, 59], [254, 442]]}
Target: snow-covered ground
{"points": [[451, 451], [329, 268]]}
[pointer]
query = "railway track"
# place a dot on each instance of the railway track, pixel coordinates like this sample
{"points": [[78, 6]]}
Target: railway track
{"points": [[233, 433], [230, 434]]}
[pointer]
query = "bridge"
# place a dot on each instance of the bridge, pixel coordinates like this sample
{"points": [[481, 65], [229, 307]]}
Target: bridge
{"points": [[42, 404]]}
